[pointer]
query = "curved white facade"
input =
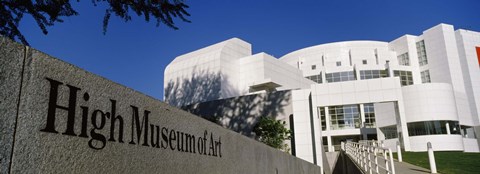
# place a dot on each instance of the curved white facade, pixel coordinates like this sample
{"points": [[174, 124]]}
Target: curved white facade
{"points": [[432, 101], [412, 90]]}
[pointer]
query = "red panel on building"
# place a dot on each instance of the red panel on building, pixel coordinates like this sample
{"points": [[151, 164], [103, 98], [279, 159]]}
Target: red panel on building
{"points": [[478, 54]]}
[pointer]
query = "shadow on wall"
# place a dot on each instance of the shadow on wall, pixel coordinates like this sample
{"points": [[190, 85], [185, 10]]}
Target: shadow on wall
{"points": [[201, 86], [240, 114]]}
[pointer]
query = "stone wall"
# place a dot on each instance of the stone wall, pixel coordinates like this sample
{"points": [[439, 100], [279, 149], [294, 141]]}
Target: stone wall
{"points": [[58, 118]]}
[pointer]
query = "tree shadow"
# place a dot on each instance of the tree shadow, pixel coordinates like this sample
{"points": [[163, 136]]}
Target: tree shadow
{"points": [[201, 95], [240, 114], [201, 86]]}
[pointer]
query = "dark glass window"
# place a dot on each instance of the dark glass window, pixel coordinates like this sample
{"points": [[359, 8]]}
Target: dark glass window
{"points": [[425, 76], [422, 53], [369, 115], [403, 59], [315, 78], [372, 74], [340, 76], [344, 117], [390, 132], [432, 128], [323, 123], [405, 77]]}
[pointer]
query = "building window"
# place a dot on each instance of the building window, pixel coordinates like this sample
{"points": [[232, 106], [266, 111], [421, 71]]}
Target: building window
{"points": [[405, 77], [364, 62], [369, 115], [344, 117], [422, 53], [390, 132], [340, 76], [314, 67], [403, 59], [323, 122], [339, 63], [468, 132], [373, 74], [315, 78], [425, 76], [432, 128]]}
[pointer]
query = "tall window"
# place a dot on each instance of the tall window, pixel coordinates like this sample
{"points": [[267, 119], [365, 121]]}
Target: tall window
{"points": [[373, 74], [315, 78], [323, 122], [344, 117], [369, 115], [340, 76], [425, 76], [403, 59], [405, 77], [422, 53]]}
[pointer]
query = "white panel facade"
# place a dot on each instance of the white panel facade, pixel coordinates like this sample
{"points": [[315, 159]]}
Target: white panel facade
{"points": [[412, 90]]}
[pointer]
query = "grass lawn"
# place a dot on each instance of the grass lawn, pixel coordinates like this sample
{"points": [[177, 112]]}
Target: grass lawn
{"points": [[447, 162]]}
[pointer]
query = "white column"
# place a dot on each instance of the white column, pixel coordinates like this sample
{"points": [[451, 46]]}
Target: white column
{"points": [[448, 128], [362, 119], [330, 144], [327, 119]]}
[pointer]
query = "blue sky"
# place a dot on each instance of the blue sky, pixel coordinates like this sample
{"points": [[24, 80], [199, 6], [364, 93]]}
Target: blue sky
{"points": [[136, 53]]}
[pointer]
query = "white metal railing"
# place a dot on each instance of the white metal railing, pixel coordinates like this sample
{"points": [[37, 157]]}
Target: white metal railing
{"points": [[370, 158], [371, 143]]}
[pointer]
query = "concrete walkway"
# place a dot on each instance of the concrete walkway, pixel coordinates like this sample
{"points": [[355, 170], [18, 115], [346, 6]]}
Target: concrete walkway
{"points": [[403, 167], [406, 168]]}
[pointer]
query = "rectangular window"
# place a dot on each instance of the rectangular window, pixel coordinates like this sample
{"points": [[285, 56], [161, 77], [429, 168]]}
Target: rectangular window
{"points": [[376, 56], [344, 117], [403, 59], [340, 76], [364, 62], [315, 78], [314, 67], [372, 74], [432, 127], [405, 77], [369, 115], [425, 76], [323, 122], [339, 63], [390, 132], [422, 53]]}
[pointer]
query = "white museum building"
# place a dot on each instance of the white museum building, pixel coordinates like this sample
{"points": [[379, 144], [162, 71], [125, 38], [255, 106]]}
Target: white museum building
{"points": [[412, 90]]}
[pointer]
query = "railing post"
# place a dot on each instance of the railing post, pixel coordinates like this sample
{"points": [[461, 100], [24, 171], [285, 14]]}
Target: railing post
{"points": [[369, 160], [391, 160], [431, 158], [376, 161], [386, 161], [399, 152]]}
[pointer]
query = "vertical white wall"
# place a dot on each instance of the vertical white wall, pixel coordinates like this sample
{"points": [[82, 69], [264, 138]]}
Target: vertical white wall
{"points": [[445, 67], [467, 41], [302, 122]]}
